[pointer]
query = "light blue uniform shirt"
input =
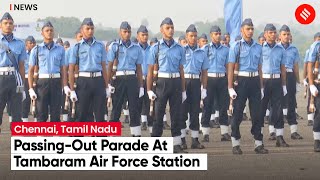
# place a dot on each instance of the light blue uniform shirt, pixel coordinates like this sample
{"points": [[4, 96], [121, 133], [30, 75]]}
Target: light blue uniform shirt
{"points": [[170, 58], [145, 54], [16, 46], [218, 58], [50, 61], [272, 59], [26, 62], [313, 51], [249, 55], [196, 60], [67, 54], [128, 58], [291, 55], [90, 56]]}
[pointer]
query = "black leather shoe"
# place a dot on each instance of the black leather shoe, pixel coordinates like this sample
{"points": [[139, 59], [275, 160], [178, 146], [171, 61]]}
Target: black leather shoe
{"points": [[166, 125], [178, 149], [225, 137], [205, 138], [196, 144], [184, 143], [136, 136], [126, 119], [296, 136], [272, 136], [280, 142], [317, 146], [237, 150], [144, 126], [261, 150], [214, 124], [310, 123]]}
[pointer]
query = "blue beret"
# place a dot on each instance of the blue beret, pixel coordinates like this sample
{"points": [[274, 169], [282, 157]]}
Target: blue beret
{"points": [[182, 37], [6, 16], [47, 24], [204, 36], [261, 35], [270, 27], [154, 40], [125, 25], [142, 29], [167, 20], [238, 38], [316, 35], [31, 39], [191, 28], [223, 38], [215, 29], [87, 21], [134, 40], [247, 22], [59, 40], [227, 34], [66, 43], [285, 28]]}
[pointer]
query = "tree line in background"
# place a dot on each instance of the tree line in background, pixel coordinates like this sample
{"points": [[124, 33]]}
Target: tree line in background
{"points": [[66, 27]]}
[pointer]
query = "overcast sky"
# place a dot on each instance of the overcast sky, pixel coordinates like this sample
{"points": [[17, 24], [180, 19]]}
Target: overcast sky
{"points": [[183, 12]]}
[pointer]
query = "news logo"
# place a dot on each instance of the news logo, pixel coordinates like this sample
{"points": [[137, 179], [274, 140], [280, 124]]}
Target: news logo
{"points": [[305, 14], [23, 7]]}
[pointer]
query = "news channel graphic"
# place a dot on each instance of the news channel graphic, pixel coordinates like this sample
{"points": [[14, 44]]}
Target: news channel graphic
{"points": [[52, 148]]}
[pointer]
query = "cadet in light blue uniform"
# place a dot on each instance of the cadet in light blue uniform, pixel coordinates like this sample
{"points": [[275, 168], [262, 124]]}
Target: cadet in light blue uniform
{"points": [[312, 68], [195, 67], [52, 73], [316, 37], [146, 119], [182, 40], [274, 81], [90, 55], [170, 84], [10, 66], [128, 82], [217, 85], [203, 40], [66, 46], [247, 53], [292, 59], [30, 43]]}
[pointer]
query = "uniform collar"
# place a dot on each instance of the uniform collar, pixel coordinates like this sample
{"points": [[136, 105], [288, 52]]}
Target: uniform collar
{"points": [[253, 42], [189, 47], [43, 45], [123, 43], [213, 45], [172, 45], [144, 46], [83, 41], [2, 37], [266, 44], [289, 46]]}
